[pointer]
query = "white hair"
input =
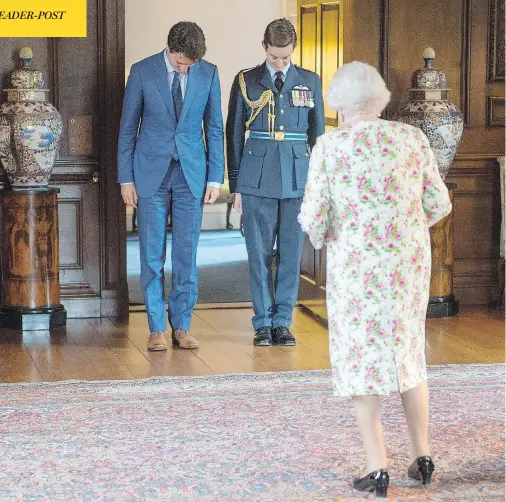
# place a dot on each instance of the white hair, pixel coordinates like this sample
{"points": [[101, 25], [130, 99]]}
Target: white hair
{"points": [[357, 87]]}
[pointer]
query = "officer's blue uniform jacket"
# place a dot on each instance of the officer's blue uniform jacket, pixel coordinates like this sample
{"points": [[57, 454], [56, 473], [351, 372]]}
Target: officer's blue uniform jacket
{"points": [[267, 168]]}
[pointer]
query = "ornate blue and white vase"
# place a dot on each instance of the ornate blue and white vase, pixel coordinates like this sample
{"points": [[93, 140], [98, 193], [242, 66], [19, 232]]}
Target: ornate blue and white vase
{"points": [[429, 109], [30, 128]]}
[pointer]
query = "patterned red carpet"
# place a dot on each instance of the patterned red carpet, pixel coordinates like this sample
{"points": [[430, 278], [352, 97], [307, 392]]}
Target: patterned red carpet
{"points": [[251, 437]]}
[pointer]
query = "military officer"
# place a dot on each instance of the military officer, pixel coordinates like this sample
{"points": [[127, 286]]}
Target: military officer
{"points": [[278, 108]]}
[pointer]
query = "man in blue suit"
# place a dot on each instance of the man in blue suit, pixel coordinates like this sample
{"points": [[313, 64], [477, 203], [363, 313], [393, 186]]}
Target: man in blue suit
{"points": [[281, 107], [170, 156]]}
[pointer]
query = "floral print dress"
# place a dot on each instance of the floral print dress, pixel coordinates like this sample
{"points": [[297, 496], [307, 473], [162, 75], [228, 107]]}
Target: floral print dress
{"points": [[372, 193]]}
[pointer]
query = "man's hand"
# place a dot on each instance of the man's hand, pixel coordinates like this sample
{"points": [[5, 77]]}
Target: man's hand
{"points": [[237, 204], [129, 195], [212, 194]]}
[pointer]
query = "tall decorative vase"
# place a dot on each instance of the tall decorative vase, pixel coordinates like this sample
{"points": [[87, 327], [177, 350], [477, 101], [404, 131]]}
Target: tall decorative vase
{"points": [[429, 109], [30, 128], [30, 131]]}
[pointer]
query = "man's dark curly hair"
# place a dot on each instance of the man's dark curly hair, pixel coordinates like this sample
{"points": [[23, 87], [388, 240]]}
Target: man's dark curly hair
{"points": [[188, 39]]}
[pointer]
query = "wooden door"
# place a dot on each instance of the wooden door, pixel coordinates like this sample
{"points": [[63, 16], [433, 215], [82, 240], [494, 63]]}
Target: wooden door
{"points": [[321, 49], [320, 25]]}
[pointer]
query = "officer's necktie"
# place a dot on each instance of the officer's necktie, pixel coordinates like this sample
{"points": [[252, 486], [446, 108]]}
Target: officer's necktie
{"points": [[279, 80], [177, 95]]}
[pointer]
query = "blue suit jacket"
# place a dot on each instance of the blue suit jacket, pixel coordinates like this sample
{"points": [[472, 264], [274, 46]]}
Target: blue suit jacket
{"points": [[149, 131], [268, 168]]}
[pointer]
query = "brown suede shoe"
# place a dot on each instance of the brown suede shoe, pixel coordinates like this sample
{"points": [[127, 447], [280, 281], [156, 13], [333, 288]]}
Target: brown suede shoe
{"points": [[183, 339], [157, 341]]}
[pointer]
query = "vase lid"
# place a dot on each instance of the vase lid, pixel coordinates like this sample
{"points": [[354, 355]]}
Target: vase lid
{"points": [[428, 77], [25, 77]]}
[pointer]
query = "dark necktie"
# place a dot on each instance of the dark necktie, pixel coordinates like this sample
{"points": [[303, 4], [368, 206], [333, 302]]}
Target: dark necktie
{"points": [[279, 80], [177, 95]]}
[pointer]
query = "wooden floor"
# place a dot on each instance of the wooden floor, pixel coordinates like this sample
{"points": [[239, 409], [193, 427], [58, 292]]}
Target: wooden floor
{"points": [[99, 349]]}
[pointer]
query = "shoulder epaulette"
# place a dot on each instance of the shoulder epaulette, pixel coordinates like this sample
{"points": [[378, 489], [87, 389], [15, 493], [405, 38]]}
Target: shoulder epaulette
{"points": [[249, 69], [303, 69]]}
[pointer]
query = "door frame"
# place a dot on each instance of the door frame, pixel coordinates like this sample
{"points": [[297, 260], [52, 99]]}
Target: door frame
{"points": [[114, 287]]}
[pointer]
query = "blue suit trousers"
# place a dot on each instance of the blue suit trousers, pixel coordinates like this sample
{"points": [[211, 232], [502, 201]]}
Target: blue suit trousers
{"points": [[174, 194]]}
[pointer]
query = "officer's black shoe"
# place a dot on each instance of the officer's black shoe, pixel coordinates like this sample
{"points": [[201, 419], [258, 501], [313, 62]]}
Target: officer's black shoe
{"points": [[282, 336], [263, 336]]}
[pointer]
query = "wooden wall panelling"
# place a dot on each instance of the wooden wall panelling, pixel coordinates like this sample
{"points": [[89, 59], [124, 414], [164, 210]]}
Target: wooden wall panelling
{"points": [[468, 37], [495, 111], [475, 169], [436, 24], [347, 29], [495, 64], [465, 61], [86, 77], [477, 216], [362, 25], [496, 44], [478, 137], [77, 66], [54, 96], [457, 30], [383, 37], [79, 248], [75, 70]]}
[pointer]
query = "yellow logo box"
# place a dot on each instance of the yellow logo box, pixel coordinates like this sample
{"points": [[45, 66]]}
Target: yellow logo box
{"points": [[42, 18]]}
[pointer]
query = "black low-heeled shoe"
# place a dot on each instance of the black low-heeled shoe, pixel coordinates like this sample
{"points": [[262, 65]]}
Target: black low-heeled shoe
{"points": [[421, 470], [376, 481]]}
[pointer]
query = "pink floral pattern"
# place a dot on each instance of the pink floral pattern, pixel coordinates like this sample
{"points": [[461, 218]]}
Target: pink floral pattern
{"points": [[373, 191]]}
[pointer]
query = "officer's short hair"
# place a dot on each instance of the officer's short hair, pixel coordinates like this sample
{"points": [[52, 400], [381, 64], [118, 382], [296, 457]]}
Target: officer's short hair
{"points": [[280, 33], [188, 39]]}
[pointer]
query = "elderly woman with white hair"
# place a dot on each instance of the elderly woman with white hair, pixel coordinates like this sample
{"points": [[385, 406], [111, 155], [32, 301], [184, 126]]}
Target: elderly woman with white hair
{"points": [[372, 193]]}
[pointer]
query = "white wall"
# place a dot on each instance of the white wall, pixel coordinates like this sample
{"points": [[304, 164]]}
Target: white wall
{"points": [[290, 10], [233, 29]]}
